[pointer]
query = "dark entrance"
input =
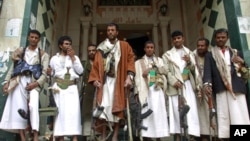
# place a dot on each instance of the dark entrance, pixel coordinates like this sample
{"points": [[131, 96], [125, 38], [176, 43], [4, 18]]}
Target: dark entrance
{"points": [[136, 41]]}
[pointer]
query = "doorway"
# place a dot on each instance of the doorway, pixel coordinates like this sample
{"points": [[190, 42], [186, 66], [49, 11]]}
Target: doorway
{"points": [[137, 41]]}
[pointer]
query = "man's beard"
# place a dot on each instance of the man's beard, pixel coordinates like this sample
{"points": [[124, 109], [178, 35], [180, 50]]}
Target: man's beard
{"points": [[111, 37], [91, 56], [64, 51]]}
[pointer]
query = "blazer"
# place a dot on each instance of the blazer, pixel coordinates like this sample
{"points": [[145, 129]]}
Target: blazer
{"points": [[212, 75]]}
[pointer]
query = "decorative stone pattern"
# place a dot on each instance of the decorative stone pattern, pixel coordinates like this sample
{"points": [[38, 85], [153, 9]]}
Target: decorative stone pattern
{"points": [[213, 17], [46, 17]]}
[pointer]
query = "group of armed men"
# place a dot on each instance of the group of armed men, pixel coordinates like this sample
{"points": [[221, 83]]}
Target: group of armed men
{"points": [[193, 95]]}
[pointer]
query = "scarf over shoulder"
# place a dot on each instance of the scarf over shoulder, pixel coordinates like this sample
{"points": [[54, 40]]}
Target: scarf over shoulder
{"points": [[124, 66]]}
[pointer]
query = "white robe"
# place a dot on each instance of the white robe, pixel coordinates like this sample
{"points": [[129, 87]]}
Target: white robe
{"points": [[17, 99], [109, 84], [68, 120], [230, 111], [157, 122], [189, 95]]}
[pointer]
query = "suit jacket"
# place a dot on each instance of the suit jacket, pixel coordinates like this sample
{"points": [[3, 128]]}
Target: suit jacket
{"points": [[44, 62], [212, 75]]}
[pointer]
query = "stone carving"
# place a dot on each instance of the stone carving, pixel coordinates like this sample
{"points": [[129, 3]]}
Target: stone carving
{"points": [[124, 2]]}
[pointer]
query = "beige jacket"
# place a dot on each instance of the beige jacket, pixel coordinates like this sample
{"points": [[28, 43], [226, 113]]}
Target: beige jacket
{"points": [[174, 74], [44, 61]]}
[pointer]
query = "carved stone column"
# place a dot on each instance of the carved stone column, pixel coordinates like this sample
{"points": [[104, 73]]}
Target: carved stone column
{"points": [[164, 21], [155, 38], [94, 33], [85, 21]]}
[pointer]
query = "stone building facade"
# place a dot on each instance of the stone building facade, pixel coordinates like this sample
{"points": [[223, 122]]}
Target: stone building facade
{"points": [[139, 20]]}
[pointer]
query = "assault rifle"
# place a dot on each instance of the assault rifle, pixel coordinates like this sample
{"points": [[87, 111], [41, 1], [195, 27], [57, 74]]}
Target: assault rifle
{"points": [[183, 110], [26, 115], [140, 116], [212, 115], [207, 89]]}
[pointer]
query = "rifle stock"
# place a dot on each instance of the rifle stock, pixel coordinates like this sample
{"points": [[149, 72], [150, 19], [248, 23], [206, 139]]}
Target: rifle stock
{"points": [[139, 117], [212, 112], [183, 110], [128, 115], [52, 102], [146, 114]]}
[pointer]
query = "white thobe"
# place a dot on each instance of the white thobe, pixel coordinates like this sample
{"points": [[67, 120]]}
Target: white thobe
{"points": [[17, 99], [230, 111], [189, 95], [157, 122], [68, 120]]}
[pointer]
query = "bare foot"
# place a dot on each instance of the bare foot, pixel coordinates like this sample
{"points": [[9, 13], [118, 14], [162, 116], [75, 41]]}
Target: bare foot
{"points": [[35, 135], [114, 139]]}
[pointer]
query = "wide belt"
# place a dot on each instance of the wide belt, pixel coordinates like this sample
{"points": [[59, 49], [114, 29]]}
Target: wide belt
{"points": [[64, 83]]}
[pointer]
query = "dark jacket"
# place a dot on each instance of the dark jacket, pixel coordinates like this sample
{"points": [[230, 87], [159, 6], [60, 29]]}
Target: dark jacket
{"points": [[87, 87], [212, 75], [88, 94]]}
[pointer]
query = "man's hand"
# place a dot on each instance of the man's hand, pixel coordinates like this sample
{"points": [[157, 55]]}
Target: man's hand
{"points": [[71, 53], [186, 58], [238, 60], [128, 82], [5, 87], [178, 85], [97, 84], [31, 86], [145, 73], [199, 96], [208, 90], [49, 71]]}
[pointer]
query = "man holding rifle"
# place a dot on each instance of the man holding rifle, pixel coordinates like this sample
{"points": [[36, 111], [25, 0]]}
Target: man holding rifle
{"points": [[205, 103], [181, 85], [20, 84], [151, 85], [222, 79], [112, 72]]}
